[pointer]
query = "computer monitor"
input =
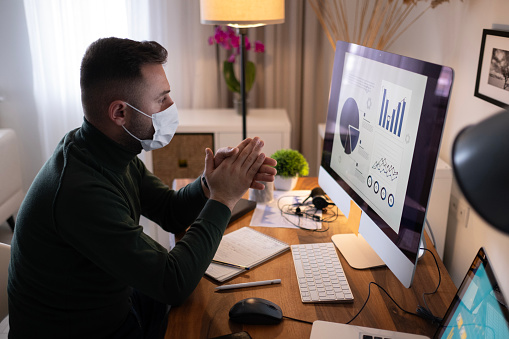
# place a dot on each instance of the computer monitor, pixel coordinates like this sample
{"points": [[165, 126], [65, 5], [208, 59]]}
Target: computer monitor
{"points": [[382, 137]]}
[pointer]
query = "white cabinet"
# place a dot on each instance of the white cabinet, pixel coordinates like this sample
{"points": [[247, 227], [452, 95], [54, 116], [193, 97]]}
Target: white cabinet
{"points": [[270, 124]]}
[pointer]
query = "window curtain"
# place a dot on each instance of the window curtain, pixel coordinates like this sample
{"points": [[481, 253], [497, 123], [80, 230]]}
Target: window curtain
{"points": [[59, 33]]}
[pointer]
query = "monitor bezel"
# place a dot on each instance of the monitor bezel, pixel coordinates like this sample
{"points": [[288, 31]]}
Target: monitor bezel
{"points": [[398, 256]]}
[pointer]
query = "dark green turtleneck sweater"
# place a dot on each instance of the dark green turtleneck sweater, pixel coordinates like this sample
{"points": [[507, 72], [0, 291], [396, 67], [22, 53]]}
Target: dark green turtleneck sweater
{"points": [[78, 248]]}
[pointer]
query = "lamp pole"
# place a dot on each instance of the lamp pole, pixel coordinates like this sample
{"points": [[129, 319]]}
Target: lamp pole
{"points": [[242, 32]]}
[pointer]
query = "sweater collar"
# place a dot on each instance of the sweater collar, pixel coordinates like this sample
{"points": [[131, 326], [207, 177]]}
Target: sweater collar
{"points": [[109, 153]]}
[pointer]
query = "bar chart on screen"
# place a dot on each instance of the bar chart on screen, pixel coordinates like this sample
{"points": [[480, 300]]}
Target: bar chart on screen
{"points": [[395, 100]]}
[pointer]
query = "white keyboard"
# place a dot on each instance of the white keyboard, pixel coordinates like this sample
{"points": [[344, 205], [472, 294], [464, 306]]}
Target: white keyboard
{"points": [[320, 274]]}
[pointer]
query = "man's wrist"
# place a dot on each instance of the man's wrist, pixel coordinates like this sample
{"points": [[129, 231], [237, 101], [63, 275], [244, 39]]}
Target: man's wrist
{"points": [[205, 186], [205, 182]]}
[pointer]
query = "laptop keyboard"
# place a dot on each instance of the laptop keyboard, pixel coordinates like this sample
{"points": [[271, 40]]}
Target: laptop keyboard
{"points": [[320, 274], [370, 336]]}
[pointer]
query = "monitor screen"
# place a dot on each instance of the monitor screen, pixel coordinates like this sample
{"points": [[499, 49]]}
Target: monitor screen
{"points": [[382, 137]]}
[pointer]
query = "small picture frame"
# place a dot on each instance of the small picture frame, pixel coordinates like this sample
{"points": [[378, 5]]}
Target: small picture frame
{"points": [[492, 83]]}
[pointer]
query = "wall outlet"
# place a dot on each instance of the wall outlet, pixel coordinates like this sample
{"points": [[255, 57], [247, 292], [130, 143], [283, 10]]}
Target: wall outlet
{"points": [[461, 209]]}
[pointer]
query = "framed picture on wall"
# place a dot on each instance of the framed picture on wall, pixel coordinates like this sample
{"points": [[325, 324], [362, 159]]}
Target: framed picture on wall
{"points": [[492, 83]]}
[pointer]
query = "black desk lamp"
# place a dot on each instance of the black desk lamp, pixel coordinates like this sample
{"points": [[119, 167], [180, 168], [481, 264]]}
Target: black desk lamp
{"points": [[242, 14], [480, 160]]}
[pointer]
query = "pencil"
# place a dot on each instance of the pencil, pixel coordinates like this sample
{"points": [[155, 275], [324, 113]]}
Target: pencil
{"points": [[229, 264]]}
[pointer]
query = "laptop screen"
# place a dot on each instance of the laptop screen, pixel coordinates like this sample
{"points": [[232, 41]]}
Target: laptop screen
{"points": [[479, 309]]}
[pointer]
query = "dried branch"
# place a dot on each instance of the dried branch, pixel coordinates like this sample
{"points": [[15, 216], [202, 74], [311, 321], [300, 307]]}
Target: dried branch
{"points": [[372, 23]]}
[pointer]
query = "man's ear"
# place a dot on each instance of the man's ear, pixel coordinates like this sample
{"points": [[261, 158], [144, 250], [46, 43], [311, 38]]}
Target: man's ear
{"points": [[116, 112]]}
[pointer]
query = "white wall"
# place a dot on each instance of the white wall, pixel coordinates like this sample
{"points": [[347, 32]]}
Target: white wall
{"points": [[451, 35]]}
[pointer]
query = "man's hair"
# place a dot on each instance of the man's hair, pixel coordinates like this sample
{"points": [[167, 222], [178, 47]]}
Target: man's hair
{"points": [[111, 70]]}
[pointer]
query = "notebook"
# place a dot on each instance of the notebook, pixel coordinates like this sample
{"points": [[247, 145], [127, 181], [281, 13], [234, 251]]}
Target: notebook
{"points": [[246, 247], [478, 310]]}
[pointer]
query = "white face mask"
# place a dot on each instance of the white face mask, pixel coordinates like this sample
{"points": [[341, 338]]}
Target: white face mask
{"points": [[165, 124]]}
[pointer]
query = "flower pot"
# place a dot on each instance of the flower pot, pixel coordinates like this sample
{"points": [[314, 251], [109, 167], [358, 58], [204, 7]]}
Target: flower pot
{"points": [[285, 183], [262, 196], [237, 105]]}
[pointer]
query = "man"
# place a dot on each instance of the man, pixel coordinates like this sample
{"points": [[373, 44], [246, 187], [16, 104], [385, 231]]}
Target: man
{"points": [[81, 266]]}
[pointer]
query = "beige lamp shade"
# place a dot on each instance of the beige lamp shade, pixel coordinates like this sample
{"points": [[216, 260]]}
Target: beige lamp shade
{"points": [[242, 13]]}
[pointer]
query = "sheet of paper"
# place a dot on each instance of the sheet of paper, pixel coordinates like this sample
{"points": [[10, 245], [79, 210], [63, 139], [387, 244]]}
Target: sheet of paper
{"points": [[270, 214]]}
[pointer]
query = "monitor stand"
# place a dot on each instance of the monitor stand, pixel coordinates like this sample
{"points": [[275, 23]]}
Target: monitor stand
{"points": [[355, 249]]}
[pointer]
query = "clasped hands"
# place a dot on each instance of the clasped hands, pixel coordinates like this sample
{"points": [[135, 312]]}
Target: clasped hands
{"points": [[231, 171]]}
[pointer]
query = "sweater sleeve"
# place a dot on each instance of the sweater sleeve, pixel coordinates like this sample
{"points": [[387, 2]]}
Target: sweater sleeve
{"points": [[102, 227], [173, 210]]}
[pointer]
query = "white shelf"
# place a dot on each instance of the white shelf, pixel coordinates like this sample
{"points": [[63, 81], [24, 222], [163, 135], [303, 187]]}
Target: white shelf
{"points": [[270, 124]]}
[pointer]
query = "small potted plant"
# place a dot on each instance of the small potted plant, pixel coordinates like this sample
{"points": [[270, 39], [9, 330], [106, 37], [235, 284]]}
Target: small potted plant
{"points": [[290, 165]]}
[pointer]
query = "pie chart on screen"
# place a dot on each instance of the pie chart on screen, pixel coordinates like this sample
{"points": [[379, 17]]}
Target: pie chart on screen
{"points": [[349, 125]]}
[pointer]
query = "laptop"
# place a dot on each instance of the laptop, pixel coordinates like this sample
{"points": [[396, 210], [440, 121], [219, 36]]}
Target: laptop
{"points": [[478, 310]]}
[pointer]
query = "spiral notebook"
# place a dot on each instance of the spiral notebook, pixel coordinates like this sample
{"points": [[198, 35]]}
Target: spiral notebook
{"points": [[245, 247]]}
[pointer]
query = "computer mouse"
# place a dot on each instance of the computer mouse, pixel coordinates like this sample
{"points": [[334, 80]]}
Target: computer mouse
{"points": [[256, 311]]}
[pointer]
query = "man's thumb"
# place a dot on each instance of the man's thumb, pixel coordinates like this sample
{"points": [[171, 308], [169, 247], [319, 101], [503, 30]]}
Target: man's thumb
{"points": [[209, 160]]}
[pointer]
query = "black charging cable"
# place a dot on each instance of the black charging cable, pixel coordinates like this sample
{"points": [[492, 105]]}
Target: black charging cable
{"points": [[423, 312], [298, 320], [367, 299]]}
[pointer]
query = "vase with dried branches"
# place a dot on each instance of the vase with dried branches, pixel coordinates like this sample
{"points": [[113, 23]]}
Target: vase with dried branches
{"points": [[371, 23]]}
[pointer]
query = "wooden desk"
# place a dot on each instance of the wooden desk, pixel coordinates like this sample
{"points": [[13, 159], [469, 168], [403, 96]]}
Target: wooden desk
{"points": [[205, 313]]}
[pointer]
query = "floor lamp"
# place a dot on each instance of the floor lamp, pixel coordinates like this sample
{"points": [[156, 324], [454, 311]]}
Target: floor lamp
{"points": [[242, 14]]}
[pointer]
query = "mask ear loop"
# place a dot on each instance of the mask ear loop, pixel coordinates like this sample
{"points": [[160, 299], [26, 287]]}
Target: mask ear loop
{"points": [[123, 126], [135, 137], [145, 114]]}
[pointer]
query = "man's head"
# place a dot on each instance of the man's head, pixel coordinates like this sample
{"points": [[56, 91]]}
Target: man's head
{"points": [[115, 71]]}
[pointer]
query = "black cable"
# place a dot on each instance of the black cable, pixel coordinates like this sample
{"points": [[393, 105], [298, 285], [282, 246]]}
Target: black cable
{"points": [[301, 321], [369, 294], [423, 312], [431, 233]]}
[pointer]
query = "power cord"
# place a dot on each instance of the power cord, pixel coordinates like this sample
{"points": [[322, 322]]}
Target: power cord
{"points": [[367, 299], [423, 312], [298, 320], [431, 233]]}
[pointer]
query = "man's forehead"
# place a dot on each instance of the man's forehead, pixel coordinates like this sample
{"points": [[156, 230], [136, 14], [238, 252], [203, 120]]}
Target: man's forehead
{"points": [[153, 74]]}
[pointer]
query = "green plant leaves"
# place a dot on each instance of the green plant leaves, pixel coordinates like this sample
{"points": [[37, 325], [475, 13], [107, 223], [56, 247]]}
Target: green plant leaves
{"points": [[231, 80], [290, 163]]}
